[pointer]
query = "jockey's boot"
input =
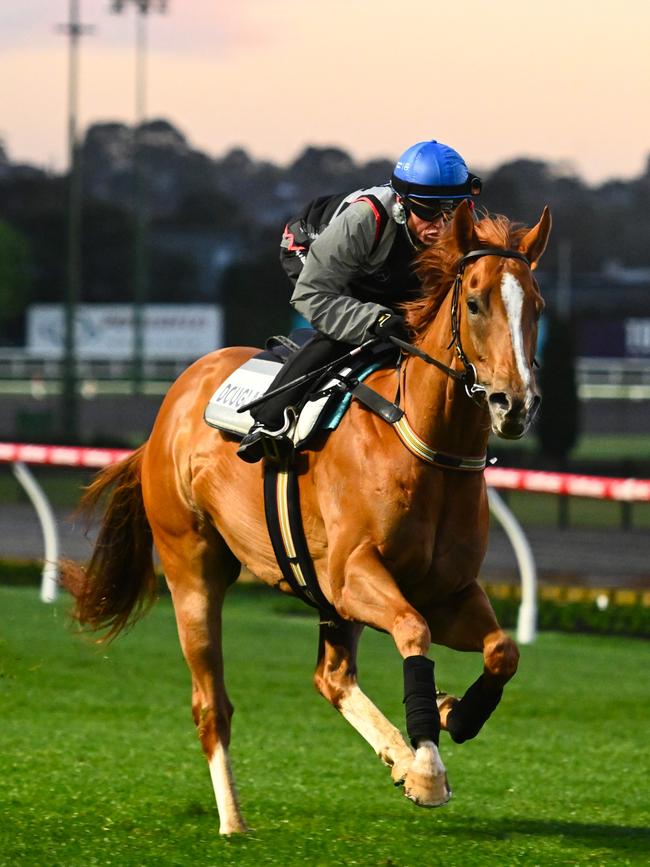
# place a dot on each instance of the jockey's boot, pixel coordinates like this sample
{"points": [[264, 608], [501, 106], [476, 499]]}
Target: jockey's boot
{"points": [[260, 442]]}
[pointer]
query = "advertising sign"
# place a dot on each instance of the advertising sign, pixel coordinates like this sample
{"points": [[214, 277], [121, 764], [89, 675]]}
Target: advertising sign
{"points": [[637, 337], [172, 332], [614, 338]]}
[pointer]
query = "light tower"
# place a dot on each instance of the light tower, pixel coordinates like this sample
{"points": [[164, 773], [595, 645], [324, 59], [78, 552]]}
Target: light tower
{"points": [[69, 403], [141, 264]]}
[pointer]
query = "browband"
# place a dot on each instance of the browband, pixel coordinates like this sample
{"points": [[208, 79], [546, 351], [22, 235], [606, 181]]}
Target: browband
{"points": [[492, 251]]}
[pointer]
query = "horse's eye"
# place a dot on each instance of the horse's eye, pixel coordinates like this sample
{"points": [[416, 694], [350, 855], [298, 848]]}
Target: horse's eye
{"points": [[472, 306]]}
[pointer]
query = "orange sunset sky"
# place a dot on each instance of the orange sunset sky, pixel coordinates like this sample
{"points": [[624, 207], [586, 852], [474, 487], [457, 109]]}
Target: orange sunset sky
{"points": [[562, 80]]}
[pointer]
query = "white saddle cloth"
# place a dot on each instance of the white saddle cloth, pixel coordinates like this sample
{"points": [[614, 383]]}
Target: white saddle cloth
{"points": [[244, 385]]}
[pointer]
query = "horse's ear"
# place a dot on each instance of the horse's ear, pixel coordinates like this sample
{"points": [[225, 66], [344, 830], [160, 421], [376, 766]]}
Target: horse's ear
{"points": [[463, 229], [533, 243]]}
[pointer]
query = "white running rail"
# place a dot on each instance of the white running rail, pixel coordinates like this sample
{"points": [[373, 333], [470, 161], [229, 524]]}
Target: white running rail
{"points": [[50, 573], [527, 617], [562, 484]]}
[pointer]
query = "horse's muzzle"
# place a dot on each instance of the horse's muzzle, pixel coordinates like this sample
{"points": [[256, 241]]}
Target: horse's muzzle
{"points": [[510, 414]]}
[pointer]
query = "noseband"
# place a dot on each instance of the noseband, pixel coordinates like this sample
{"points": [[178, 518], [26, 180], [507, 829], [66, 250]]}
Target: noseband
{"points": [[468, 376]]}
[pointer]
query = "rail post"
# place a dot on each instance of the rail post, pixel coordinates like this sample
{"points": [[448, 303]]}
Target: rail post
{"points": [[50, 573], [527, 617]]}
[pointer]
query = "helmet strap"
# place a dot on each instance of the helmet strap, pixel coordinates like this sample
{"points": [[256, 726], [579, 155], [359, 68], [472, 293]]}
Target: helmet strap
{"points": [[401, 217], [412, 241]]}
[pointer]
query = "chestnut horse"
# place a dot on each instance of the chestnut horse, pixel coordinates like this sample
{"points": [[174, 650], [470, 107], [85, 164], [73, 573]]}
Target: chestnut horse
{"points": [[397, 537]]}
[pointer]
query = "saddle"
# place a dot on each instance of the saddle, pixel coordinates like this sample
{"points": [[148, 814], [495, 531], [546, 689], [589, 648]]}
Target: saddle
{"points": [[324, 404]]}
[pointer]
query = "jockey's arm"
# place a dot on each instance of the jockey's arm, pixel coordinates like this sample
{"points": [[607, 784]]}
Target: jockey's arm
{"points": [[322, 291]]}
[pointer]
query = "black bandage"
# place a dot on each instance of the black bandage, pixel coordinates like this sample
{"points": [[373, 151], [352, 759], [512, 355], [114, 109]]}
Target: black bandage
{"points": [[466, 718], [422, 717]]}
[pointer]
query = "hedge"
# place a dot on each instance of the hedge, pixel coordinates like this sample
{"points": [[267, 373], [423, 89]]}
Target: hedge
{"points": [[558, 615]]}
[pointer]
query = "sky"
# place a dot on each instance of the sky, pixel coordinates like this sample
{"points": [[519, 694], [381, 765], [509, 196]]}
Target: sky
{"points": [[566, 81]]}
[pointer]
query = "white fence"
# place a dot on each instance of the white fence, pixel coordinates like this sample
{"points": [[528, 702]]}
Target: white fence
{"points": [[627, 490]]}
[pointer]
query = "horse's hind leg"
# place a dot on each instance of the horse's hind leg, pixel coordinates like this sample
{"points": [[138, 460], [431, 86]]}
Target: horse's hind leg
{"points": [[336, 679], [199, 568]]}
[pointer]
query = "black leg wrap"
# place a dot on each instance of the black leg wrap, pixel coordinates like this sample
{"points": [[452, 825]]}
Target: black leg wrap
{"points": [[422, 716], [466, 719]]}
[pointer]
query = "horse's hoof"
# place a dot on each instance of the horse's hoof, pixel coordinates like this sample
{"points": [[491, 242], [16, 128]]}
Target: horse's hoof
{"points": [[427, 791], [234, 826], [426, 781]]}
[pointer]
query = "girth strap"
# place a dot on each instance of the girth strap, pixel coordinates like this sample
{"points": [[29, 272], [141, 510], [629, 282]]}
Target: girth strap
{"points": [[284, 522]]}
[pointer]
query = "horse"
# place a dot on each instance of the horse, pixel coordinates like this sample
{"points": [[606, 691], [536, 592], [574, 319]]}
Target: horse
{"points": [[396, 520]]}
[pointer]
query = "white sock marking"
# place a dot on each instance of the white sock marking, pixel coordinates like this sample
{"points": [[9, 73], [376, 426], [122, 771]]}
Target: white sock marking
{"points": [[427, 760], [230, 819], [372, 725], [513, 300]]}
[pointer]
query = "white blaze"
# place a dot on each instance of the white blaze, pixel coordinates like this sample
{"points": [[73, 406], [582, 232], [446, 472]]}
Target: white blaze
{"points": [[513, 300]]}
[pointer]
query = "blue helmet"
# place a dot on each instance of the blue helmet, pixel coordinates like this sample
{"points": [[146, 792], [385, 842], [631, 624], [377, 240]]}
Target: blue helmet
{"points": [[431, 170]]}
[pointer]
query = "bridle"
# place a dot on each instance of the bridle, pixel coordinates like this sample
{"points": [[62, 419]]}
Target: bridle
{"points": [[467, 377]]}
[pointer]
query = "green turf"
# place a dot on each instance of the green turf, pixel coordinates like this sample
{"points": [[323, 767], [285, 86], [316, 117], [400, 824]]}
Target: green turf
{"points": [[609, 446], [63, 487], [544, 510], [100, 763]]}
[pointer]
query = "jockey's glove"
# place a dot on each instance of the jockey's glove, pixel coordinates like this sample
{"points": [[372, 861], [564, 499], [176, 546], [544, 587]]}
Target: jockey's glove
{"points": [[390, 325]]}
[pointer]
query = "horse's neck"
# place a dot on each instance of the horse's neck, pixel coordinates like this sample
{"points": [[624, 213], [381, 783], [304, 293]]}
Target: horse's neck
{"points": [[437, 407]]}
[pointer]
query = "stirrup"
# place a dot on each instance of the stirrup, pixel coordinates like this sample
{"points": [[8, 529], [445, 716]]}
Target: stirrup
{"points": [[275, 443], [288, 418], [264, 443]]}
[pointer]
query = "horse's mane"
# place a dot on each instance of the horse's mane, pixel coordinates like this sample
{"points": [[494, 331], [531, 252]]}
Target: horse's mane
{"points": [[436, 267]]}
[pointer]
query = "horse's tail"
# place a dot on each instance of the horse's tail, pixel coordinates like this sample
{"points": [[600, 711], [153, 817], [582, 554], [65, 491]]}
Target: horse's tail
{"points": [[119, 584]]}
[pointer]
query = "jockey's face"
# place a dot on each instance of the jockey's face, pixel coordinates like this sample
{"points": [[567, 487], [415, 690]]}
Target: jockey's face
{"points": [[426, 231]]}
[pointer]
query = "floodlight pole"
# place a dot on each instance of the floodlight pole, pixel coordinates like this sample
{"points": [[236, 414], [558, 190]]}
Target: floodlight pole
{"points": [[141, 259], [69, 403], [141, 262]]}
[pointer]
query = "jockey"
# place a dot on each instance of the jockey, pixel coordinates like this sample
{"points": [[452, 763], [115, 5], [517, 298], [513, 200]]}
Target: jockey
{"points": [[350, 259]]}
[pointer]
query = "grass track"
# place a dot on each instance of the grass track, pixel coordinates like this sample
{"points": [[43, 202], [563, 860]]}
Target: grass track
{"points": [[100, 763]]}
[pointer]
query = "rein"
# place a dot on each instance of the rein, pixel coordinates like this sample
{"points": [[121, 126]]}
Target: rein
{"points": [[468, 376]]}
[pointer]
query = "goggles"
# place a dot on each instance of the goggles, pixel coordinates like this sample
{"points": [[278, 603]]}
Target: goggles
{"points": [[431, 209]]}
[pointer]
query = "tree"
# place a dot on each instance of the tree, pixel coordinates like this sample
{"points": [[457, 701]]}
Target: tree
{"points": [[256, 297], [558, 424], [15, 283]]}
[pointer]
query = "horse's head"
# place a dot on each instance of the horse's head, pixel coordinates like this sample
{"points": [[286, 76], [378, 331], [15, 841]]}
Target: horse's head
{"points": [[499, 305], [495, 307]]}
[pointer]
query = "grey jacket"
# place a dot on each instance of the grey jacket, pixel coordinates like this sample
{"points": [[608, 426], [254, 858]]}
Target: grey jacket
{"points": [[342, 250]]}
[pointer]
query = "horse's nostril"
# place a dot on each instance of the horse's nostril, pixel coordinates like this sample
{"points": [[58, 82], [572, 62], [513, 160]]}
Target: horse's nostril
{"points": [[500, 400], [535, 405]]}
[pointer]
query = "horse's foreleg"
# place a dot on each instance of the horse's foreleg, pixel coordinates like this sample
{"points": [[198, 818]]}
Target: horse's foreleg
{"points": [[336, 679], [466, 718], [469, 623], [198, 571], [370, 595]]}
